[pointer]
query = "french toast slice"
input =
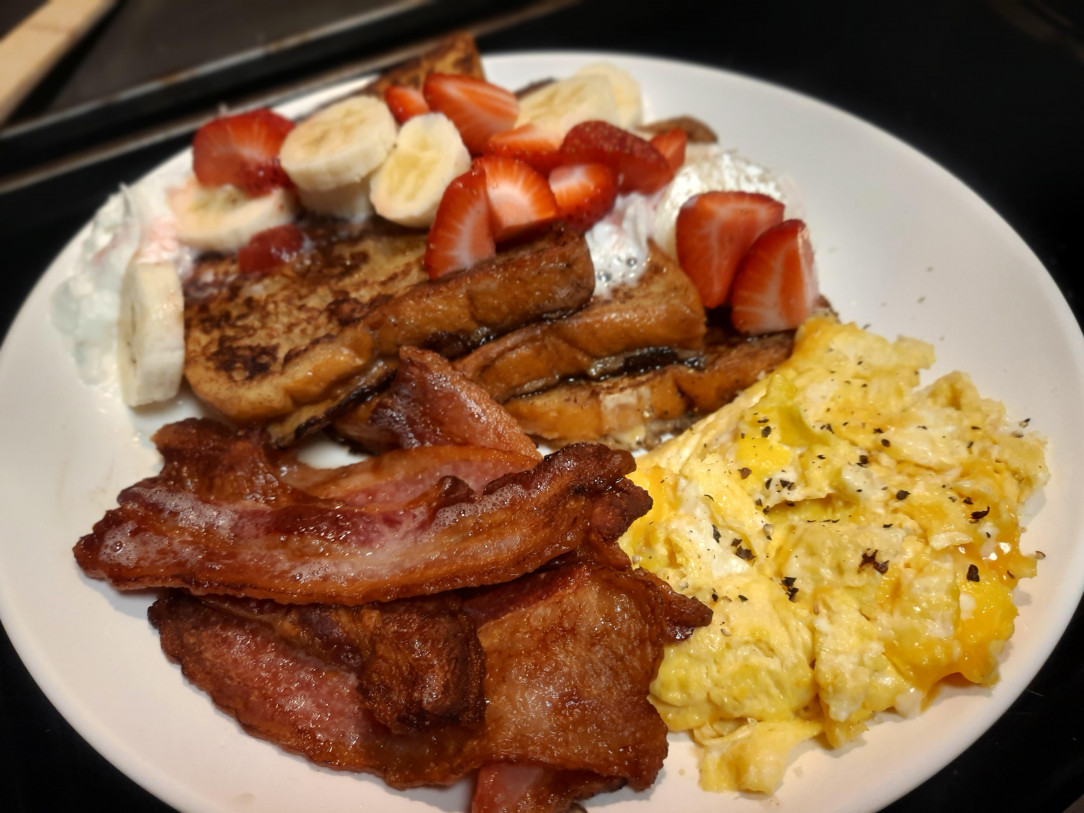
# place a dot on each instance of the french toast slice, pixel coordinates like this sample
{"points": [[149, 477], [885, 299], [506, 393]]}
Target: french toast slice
{"points": [[290, 347], [457, 53], [636, 411]]}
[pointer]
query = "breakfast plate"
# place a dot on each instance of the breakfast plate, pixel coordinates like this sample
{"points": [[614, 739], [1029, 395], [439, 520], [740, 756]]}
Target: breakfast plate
{"points": [[902, 247]]}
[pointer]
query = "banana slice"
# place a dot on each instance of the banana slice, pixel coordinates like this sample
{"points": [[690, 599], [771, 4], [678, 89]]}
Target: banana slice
{"points": [[627, 93], [340, 144], [349, 201], [561, 105], [224, 218], [427, 157], [150, 332]]}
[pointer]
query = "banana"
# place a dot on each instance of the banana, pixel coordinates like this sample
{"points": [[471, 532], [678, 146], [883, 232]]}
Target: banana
{"points": [[627, 93], [150, 332], [427, 157], [349, 201], [224, 218], [559, 106], [339, 145]]}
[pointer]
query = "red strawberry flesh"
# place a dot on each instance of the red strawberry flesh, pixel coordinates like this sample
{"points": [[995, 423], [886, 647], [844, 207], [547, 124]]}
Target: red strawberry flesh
{"points": [[639, 166], [714, 230], [776, 286], [585, 193], [270, 248], [461, 234], [477, 108], [405, 102], [520, 199], [242, 150]]}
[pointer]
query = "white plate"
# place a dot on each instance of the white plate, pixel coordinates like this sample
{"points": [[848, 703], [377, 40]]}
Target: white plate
{"points": [[901, 246]]}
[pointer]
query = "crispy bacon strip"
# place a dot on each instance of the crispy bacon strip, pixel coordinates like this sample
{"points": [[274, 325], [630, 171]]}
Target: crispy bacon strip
{"points": [[418, 661], [430, 403], [509, 787], [219, 519], [570, 653]]}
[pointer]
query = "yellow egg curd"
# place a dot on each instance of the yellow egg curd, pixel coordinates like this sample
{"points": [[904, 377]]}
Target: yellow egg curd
{"points": [[857, 537]]}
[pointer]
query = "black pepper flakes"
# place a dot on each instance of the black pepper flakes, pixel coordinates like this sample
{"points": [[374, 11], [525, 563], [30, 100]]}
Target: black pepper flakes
{"points": [[715, 533], [869, 559], [744, 554], [745, 471], [767, 430], [741, 597], [968, 501], [863, 460], [886, 442], [902, 494], [972, 573], [788, 586], [977, 515]]}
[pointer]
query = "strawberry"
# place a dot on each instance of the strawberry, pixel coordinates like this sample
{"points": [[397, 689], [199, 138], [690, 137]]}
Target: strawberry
{"points": [[714, 230], [639, 166], [520, 198], [242, 150], [461, 234], [405, 102], [269, 248], [528, 143], [672, 145], [478, 109], [776, 285], [584, 193]]}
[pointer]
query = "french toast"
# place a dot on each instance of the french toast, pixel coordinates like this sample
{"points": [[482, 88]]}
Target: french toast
{"points": [[288, 348]]}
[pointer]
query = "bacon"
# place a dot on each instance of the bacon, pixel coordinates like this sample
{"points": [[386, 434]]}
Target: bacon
{"points": [[570, 653], [430, 403], [509, 787], [418, 661], [220, 518]]}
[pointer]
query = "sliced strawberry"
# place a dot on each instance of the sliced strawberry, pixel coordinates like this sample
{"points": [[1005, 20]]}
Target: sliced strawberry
{"points": [[585, 193], [672, 145], [520, 199], [242, 150], [714, 231], [776, 285], [639, 166], [405, 102], [528, 143], [461, 234], [478, 109], [269, 248]]}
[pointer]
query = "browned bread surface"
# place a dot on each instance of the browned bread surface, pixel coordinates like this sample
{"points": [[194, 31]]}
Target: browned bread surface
{"points": [[457, 53]]}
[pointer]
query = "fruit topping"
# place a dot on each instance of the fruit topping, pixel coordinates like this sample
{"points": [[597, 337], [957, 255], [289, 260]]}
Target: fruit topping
{"points": [[714, 230], [528, 143], [585, 193], [461, 234], [775, 287], [405, 102], [639, 166], [520, 198], [672, 145], [242, 150], [478, 109], [269, 248]]}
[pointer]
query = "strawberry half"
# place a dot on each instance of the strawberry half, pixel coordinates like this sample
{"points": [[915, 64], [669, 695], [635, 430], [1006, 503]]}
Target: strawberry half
{"points": [[714, 230], [270, 248], [242, 150], [639, 167], [585, 193], [461, 234], [776, 285], [672, 145], [520, 198], [478, 109], [405, 102], [530, 144]]}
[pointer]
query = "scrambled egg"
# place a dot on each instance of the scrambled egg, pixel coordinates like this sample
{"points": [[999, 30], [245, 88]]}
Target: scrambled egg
{"points": [[857, 538]]}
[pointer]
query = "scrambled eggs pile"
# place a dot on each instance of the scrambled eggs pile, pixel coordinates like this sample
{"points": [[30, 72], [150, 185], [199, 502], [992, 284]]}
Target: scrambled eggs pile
{"points": [[857, 538]]}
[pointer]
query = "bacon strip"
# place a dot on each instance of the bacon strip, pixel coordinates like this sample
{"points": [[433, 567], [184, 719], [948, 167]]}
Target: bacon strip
{"points": [[418, 661], [509, 787], [570, 653], [220, 519]]}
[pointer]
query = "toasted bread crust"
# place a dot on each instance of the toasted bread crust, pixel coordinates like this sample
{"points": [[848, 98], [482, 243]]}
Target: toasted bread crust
{"points": [[290, 346], [457, 54], [636, 411]]}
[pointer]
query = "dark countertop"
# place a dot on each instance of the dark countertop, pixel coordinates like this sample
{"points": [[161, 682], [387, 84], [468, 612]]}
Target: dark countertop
{"points": [[990, 90]]}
